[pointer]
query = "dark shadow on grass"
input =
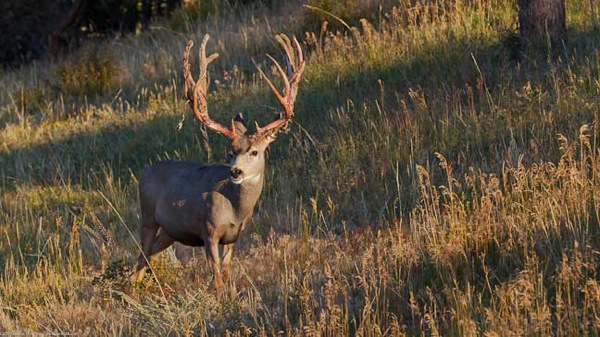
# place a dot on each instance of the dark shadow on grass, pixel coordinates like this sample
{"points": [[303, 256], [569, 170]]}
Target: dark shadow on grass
{"points": [[72, 159]]}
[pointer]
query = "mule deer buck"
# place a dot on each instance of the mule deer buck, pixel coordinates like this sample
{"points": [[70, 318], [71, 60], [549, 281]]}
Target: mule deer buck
{"points": [[200, 204]]}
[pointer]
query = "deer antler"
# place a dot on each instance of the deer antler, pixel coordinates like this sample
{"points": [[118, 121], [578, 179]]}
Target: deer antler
{"points": [[197, 97], [295, 65]]}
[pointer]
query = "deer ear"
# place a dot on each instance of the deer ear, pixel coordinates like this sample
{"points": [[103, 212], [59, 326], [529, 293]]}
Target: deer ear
{"points": [[240, 126]]}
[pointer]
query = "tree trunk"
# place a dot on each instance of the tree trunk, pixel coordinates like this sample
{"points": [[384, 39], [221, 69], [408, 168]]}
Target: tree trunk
{"points": [[542, 23]]}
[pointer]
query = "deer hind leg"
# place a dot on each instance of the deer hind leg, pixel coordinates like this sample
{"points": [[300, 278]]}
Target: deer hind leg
{"points": [[162, 242], [154, 241], [148, 236]]}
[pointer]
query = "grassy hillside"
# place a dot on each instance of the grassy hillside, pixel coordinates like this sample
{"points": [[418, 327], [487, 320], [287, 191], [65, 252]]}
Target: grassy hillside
{"points": [[429, 185]]}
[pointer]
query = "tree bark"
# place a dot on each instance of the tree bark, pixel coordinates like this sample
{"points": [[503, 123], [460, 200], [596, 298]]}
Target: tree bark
{"points": [[542, 23]]}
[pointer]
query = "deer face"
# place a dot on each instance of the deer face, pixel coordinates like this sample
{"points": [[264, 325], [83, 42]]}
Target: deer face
{"points": [[248, 159]]}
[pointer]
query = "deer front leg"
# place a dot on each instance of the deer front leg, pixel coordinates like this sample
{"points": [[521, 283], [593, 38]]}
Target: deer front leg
{"points": [[212, 255], [227, 255]]}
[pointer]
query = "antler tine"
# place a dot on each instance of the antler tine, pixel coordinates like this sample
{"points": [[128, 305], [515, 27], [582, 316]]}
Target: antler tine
{"points": [[286, 83], [204, 61], [286, 44], [198, 98], [187, 74], [287, 100]]}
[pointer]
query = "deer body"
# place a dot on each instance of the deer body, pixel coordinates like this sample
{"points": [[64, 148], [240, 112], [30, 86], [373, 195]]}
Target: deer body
{"points": [[202, 193], [210, 204], [197, 205]]}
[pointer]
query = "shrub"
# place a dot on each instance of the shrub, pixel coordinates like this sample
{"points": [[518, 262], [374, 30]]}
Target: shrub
{"points": [[92, 71]]}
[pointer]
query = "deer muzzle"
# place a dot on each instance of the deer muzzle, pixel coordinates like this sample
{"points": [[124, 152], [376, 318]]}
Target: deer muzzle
{"points": [[237, 175]]}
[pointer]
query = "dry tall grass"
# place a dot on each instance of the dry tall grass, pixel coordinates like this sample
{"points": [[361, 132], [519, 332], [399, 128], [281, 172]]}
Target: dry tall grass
{"points": [[430, 185]]}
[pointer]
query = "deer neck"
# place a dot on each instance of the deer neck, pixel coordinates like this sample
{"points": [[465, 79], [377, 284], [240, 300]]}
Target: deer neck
{"points": [[245, 195]]}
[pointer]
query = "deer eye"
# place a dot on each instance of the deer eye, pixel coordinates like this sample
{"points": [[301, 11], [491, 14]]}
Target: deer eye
{"points": [[254, 153], [230, 154]]}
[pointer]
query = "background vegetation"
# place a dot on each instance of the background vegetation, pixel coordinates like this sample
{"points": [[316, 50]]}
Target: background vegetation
{"points": [[429, 185]]}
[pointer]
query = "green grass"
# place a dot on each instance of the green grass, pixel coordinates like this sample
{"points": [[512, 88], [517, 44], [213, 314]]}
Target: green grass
{"points": [[429, 184]]}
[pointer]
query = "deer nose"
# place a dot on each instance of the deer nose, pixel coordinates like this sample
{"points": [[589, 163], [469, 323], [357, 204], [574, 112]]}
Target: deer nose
{"points": [[235, 172]]}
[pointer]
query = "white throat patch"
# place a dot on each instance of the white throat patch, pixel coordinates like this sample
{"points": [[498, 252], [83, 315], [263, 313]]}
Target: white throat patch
{"points": [[252, 179]]}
